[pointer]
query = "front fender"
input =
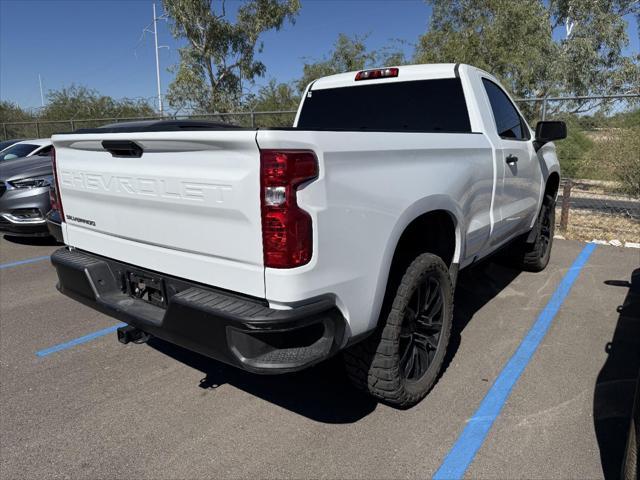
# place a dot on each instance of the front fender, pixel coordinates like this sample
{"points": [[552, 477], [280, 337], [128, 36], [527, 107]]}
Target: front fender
{"points": [[549, 163]]}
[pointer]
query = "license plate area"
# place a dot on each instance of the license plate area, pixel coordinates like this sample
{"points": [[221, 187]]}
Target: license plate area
{"points": [[147, 287]]}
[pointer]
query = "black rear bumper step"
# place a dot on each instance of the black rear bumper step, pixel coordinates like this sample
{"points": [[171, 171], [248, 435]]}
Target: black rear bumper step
{"points": [[231, 328]]}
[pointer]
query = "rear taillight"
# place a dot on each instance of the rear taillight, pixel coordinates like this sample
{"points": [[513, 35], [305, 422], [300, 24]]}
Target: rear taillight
{"points": [[54, 191], [287, 236]]}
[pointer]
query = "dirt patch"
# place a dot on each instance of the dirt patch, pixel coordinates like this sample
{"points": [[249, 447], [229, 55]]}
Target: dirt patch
{"points": [[598, 189], [587, 225]]}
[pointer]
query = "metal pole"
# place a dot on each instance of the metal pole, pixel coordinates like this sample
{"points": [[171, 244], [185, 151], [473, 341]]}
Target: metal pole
{"points": [[4, 127], [566, 203], [155, 37], [41, 94], [253, 120], [73, 127], [37, 130], [544, 108]]}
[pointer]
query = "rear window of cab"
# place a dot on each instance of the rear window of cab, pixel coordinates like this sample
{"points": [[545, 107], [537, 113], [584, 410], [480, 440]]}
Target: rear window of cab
{"points": [[415, 106]]}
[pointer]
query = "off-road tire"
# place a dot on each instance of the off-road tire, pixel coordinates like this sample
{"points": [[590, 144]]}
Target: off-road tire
{"points": [[534, 257], [374, 364]]}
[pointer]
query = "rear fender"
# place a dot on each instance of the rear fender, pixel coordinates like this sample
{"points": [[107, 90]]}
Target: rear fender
{"points": [[420, 207]]}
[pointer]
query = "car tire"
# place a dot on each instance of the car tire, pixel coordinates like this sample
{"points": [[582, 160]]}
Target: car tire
{"points": [[401, 361], [534, 256]]}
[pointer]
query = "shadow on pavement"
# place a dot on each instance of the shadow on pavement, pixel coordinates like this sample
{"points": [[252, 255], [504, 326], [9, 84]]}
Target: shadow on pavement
{"points": [[476, 287], [615, 386], [323, 393], [35, 241]]}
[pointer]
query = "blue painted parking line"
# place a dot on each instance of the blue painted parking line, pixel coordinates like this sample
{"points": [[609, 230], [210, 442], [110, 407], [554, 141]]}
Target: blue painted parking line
{"points": [[79, 340], [472, 437], [24, 262]]}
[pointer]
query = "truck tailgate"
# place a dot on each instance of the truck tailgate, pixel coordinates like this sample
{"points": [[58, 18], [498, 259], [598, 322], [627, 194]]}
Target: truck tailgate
{"points": [[189, 206]]}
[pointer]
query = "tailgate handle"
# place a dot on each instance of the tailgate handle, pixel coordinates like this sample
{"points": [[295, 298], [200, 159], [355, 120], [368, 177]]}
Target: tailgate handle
{"points": [[122, 148]]}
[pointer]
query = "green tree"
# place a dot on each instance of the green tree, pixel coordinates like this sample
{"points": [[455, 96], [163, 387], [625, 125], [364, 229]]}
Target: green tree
{"points": [[79, 102], [11, 112], [515, 42], [274, 97], [572, 150], [348, 54], [220, 52]]}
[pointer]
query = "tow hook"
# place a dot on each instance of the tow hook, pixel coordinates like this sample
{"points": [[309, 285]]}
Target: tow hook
{"points": [[128, 334]]}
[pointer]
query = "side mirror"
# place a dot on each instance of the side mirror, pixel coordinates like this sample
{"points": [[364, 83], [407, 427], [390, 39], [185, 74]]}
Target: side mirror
{"points": [[549, 131]]}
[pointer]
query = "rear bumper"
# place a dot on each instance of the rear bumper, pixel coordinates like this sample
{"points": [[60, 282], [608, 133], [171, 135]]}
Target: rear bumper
{"points": [[234, 329]]}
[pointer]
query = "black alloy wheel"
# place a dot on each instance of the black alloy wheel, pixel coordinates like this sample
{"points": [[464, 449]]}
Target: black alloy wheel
{"points": [[421, 329]]}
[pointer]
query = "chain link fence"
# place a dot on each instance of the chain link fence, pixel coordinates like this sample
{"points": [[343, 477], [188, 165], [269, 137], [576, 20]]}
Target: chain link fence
{"points": [[600, 158], [46, 128]]}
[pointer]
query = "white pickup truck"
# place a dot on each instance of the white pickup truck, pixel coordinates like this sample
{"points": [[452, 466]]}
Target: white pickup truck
{"points": [[273, 249]]}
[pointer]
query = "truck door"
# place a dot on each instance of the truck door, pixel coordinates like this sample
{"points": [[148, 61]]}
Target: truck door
{"points": [[518, 182]]}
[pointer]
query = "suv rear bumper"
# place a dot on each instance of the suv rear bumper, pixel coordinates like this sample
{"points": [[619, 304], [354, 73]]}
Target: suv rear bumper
{"points": [[231, 328]]}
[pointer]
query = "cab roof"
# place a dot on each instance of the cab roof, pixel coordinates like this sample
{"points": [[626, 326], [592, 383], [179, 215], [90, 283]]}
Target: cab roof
{"points": [[405, 73]]}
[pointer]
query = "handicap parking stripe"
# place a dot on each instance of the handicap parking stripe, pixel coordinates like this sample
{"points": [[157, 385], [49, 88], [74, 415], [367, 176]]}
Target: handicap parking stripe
{"points": [[463, 451], [79, 340], [24, 262]]}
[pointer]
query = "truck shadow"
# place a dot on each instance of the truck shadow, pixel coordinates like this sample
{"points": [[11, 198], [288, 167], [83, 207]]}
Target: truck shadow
{"points": [[323, 393], [476, 287], [35, 241], [614, 390]]}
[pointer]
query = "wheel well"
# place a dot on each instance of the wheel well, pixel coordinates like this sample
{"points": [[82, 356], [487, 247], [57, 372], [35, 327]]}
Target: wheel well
{"points": [[433, 232], [553, 183]]}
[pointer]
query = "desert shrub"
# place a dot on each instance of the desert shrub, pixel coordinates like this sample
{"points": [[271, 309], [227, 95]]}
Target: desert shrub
{"points": [[616, 156], [572, 151]]}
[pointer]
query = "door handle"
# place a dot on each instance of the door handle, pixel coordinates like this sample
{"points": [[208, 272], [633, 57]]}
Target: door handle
{"points": [[122, 148], [512, 159]]}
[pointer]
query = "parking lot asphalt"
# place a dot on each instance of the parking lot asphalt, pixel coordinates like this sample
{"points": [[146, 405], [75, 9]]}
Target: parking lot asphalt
{"points": [[101, 409]]}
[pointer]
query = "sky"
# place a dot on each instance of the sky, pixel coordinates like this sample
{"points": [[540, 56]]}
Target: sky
{"points": [[97, 43]]}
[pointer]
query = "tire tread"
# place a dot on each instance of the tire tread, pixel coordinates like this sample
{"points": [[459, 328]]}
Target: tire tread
{"points": [[373, 364]]}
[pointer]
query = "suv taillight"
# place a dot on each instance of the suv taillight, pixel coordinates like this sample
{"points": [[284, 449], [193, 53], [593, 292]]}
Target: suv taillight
{"points": [[287, 237], [54, 191]]}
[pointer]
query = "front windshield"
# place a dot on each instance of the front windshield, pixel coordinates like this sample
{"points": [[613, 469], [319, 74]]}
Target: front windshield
{"points": [[7, 143], [16, 151]]}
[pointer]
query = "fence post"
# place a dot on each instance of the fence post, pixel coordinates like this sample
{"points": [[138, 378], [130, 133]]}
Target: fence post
{"points": [[544, 108], [37, 129], [73, 125], [253, 120], [4, 128], [566, 198]]}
